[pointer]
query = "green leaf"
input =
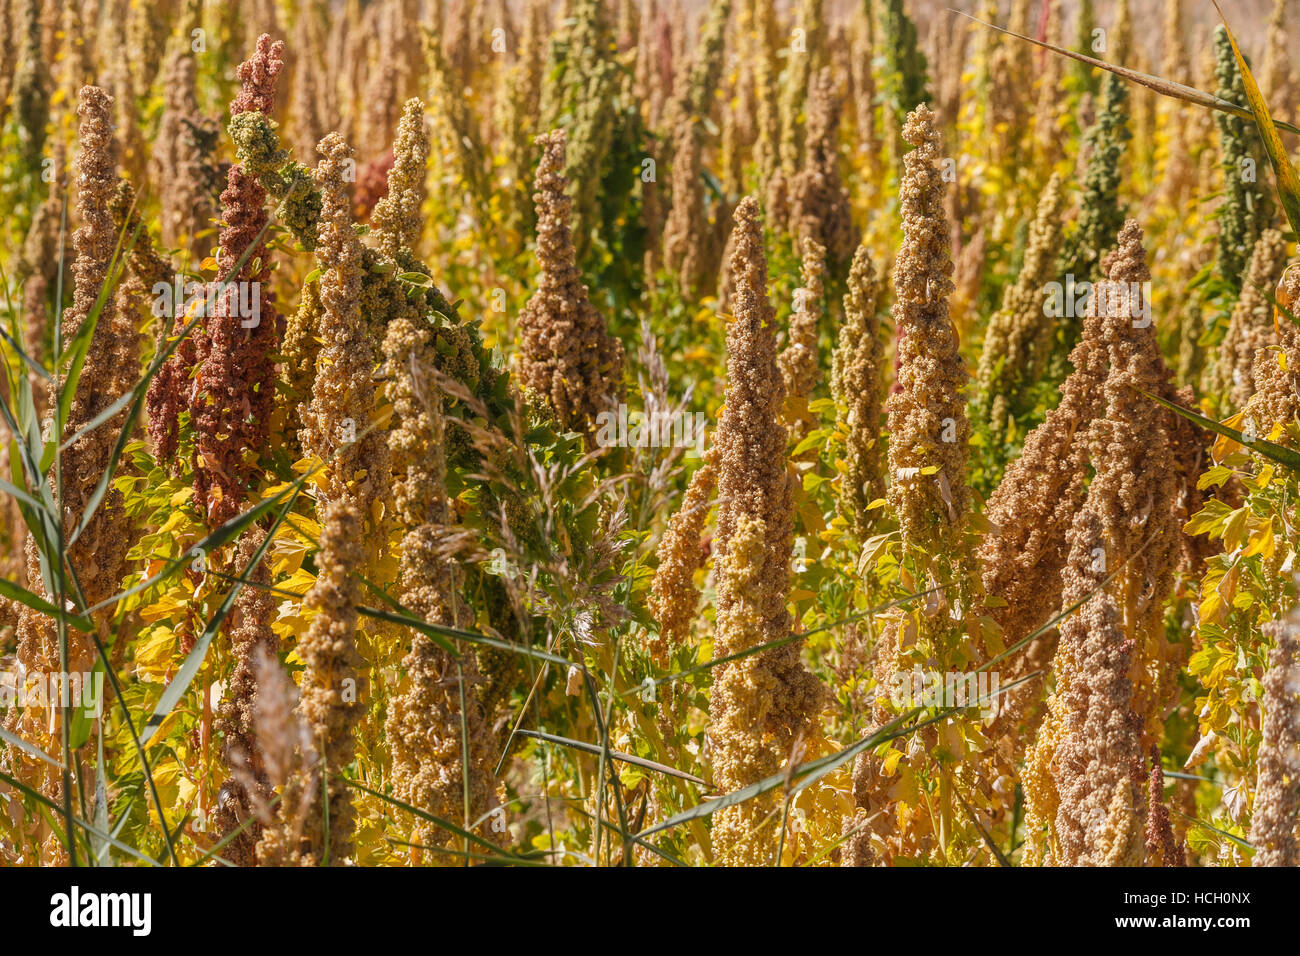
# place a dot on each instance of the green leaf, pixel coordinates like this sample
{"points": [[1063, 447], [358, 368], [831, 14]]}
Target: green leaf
{"points": [[74, 352], [814, 439], [1288, 183], [1234, 529], [1277, 453], [1209, 520], [23, 596], [84, 718], [1202, 662], [210, 542], [617, 755], [1213, 829], [1213, 477]]}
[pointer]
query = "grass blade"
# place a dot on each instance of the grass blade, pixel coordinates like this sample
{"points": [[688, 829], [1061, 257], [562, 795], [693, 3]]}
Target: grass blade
{"points": [[137, 396], [810, 773], [1288, 183], [438, 633], [18, 350], [25, 426], [467, 855], [1164, 87], [23, 596], [90, 829], [759, 648], [16, 492], [74, 354], [179, 684], [430, 818], [1276, 453], [1213, 829], [28, 747], [615, 754]]}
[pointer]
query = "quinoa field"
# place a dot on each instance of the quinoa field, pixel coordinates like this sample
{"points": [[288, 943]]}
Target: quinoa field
{"points": [[673, 433]]}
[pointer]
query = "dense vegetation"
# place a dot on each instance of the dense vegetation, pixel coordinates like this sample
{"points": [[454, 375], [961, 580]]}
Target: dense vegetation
{"points": [[640, 433]]}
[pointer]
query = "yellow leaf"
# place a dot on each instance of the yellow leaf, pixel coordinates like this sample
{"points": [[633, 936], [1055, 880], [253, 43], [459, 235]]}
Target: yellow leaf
{"points": [[1209, 519], [176, 519], [1210, 607], [1262, 541], [167, 606], [1223, 445], [1234, 529], [155, 653], [891, 762]]}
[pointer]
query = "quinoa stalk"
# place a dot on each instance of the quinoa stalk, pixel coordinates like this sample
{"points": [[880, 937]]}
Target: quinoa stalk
{"points": [[97, 555], [760, 703], [1273, 822], [673, 595], [800, 361], [858, 384], [1111, 663], [568, 360]]}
